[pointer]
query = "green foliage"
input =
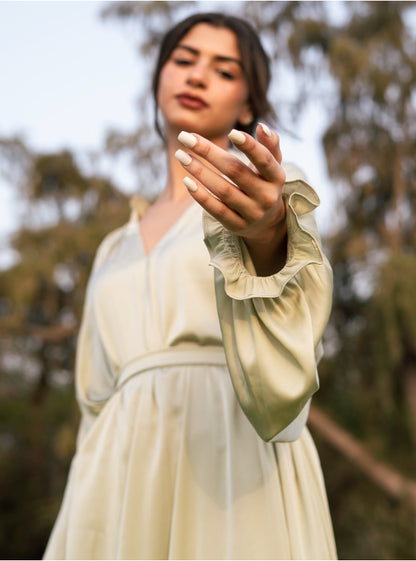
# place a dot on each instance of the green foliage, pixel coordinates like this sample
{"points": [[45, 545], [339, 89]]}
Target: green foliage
{"points": [[393, 308], [368, 525], [56, 176], [41, 299], [368, 146], [37, 441]]}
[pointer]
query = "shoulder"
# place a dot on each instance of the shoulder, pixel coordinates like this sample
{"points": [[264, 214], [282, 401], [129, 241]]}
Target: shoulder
{"points": [[107, 245], [113, 239]]}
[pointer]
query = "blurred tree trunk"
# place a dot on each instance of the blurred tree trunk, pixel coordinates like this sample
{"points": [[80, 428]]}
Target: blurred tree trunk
{"points": [[387, 478], [410, 388]]}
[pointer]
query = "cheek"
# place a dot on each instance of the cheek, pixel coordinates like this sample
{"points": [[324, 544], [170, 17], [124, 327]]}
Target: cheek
{"points": [[234, 91], [165, 82], [236, 97]]}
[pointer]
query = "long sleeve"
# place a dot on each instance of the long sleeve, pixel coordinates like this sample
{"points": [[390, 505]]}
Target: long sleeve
{"points": [[94, 376], [272, 326]]}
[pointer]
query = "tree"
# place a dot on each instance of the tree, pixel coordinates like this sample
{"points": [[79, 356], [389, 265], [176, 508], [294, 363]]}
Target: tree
{"points": [[41, 298], [370, 143]]}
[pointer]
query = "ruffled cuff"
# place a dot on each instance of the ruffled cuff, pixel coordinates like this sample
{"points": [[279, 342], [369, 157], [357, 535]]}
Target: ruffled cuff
{"points": [[230, 256]]}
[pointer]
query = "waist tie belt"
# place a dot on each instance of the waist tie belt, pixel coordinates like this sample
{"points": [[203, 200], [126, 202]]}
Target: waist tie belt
{"points": [[172, 356]]}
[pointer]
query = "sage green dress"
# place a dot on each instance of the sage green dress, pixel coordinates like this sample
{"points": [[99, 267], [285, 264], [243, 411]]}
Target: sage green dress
{"points": [[194, 384]]}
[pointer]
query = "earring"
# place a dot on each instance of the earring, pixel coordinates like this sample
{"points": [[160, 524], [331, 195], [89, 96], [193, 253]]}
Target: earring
{"points": [[246, 120]]}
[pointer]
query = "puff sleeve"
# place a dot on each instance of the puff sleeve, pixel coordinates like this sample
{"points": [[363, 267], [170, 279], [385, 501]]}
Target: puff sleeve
{"points": [[272, 326]]}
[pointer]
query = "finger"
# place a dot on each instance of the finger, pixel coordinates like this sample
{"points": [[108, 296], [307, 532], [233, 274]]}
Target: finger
{"points": [[261, 157], [221, 187], [215, 207], [264, 152], [269, 139], [248, 180], [226, 163]]}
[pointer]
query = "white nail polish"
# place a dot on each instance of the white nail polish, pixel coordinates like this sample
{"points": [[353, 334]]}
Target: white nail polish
{"points": [[190, 184], [237, 137], [266, 129], [187, 139], [183, 157]]}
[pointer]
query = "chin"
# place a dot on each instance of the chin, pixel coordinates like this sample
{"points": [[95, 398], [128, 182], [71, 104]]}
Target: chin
{"points": [[192, 123]]}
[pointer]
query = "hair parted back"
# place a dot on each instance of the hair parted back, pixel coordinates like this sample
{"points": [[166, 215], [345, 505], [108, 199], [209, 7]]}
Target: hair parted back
{"points": [[255, 62]]}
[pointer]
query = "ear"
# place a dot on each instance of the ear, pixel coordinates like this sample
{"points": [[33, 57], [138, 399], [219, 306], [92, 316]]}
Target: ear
{"points": [[246, 115]]}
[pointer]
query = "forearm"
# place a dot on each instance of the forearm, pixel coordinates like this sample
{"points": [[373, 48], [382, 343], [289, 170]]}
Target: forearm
{"points": [[269, 255]]}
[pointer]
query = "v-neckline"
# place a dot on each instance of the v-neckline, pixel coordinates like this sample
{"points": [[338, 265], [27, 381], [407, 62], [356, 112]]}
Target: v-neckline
{"points": [[167, 233]]}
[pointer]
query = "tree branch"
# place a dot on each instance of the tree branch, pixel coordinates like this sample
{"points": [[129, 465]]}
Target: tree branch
{"points": [[387, 478]]}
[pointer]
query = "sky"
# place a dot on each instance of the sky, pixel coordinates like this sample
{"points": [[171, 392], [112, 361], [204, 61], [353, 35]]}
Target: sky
{"points": [[67, 76]]}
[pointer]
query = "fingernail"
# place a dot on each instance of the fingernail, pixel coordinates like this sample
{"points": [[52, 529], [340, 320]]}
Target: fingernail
{"points": [[190, 184], [266, 129], [237, 137], [183, 157], [187, 139]]}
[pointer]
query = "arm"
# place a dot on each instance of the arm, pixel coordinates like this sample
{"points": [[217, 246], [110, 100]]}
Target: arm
{"points": [[271, 325], [94, 378]]}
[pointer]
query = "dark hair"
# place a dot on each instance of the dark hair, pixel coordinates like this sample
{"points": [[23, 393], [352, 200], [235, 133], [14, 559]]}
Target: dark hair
{"points": [[255, 62]]}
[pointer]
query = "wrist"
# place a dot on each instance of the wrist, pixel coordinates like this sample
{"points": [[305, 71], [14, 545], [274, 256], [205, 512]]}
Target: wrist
{"points": [[269, 252]]}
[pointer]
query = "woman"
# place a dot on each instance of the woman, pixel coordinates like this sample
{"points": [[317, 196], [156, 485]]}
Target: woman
{"points": [[194, 386]]}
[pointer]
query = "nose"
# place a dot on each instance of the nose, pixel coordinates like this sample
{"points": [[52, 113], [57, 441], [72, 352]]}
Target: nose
{"points": [[197, 76]]}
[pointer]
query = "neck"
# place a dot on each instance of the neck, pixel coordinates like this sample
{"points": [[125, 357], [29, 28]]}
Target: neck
{"points": [[175, 190]]}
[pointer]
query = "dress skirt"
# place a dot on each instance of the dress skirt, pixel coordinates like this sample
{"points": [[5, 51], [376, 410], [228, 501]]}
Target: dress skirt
{"points": [[172, 469]]}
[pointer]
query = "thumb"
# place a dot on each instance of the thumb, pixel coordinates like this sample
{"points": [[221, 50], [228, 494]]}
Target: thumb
{"points": [[270, 140]]}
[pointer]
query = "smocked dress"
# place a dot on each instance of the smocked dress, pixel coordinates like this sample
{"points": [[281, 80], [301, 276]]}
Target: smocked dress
{"points": [[194, 384]]}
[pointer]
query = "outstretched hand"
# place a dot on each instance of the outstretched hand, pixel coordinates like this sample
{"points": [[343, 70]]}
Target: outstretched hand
{"points": [[245, 199]]}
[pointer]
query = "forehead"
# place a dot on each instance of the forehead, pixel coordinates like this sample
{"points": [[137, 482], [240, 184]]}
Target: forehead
{"points": [[211, 40]]}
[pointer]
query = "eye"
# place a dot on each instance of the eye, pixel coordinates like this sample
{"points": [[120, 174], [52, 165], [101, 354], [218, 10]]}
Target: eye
{"points": [[226, 75], [182, 61]]}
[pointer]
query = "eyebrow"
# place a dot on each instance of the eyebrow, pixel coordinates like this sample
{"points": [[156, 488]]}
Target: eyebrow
{"points": [[218, 58]]}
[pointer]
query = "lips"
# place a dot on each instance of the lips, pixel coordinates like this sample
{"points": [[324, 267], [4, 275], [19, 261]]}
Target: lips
{"points": [[191, 101]]}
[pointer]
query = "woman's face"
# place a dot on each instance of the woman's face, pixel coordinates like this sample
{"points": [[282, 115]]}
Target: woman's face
{"points": [[202, 88]]}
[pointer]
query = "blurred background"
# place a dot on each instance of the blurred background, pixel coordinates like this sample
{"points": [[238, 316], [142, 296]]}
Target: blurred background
{"points": [[77, 141]]}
